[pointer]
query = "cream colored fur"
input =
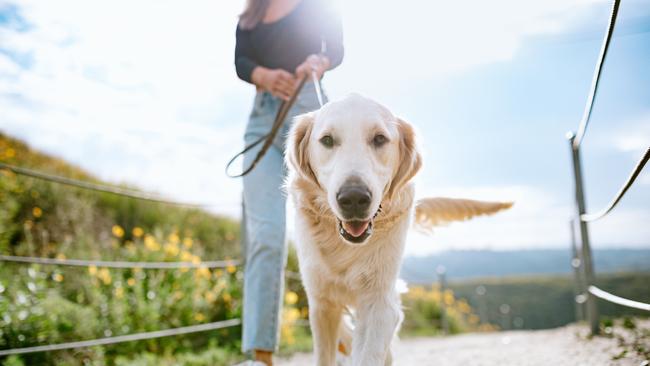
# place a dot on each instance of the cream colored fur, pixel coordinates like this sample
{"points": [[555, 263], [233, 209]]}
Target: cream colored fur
{"points": [[339, 275]]}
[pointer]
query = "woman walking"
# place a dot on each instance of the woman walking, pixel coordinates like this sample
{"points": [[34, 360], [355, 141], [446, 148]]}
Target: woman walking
{"points": [[278, 43]]}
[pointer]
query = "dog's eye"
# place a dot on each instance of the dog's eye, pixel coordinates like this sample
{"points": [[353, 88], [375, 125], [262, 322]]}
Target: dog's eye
{"points": [[327, 141], [379, 140]]}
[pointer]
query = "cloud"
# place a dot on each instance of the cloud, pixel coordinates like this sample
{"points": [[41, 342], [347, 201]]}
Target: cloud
{"points": [[634, 137], [143, 92], [419, 40]]}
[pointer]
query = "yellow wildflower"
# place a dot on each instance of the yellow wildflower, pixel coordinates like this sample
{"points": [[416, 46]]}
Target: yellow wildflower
{"points": [[187, 243], [37, 212], [218, 273], [449, 298], [291, 315], [196, 260], [151, 243], [119, 292], [171, 249], [57, 277], [231, 269], [173, 238], [186, 256], [291, 297], [117, 231], [10, 153], [92, 270], [137, 232], [199, 317], [105, 276], [210, 296], [464, 307], [203, 273], [226, 297], [130, 281]]}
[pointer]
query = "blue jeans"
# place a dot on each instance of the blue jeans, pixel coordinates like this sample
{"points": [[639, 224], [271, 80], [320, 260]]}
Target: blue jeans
{"points": [[264, 222]]}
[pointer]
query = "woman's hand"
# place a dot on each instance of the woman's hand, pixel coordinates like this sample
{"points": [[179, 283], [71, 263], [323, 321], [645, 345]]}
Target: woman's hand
{"points": [[278, 82], [317, 63]]}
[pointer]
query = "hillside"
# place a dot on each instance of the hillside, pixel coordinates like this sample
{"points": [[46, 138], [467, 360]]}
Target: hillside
{"points": [[45, 304], [66, 213], [467, 264], [539, 302]]}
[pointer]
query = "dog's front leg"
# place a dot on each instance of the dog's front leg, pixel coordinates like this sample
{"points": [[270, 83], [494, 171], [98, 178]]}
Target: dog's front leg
{"points": [[325, 319], [378, 317]]}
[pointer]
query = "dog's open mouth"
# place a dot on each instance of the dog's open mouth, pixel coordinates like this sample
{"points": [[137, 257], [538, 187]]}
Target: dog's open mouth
{"points": [[355, 231]]}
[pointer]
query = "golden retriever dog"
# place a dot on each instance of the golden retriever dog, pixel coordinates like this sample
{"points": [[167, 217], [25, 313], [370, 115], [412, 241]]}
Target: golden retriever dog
{"points": [[350, 170]]}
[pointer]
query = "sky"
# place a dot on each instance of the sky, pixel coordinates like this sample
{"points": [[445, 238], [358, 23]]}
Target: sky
{"points": [[146, 93]]}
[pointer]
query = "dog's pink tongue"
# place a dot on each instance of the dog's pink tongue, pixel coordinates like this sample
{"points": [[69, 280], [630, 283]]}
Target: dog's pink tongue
{"points": [[356, 228]]}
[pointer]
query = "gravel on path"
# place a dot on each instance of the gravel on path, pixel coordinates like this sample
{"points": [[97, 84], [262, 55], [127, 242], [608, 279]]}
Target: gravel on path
{"points": [[566, 346]]}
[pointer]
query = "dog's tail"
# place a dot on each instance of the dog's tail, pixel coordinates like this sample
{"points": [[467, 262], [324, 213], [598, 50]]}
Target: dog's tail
{"points": [[437, 211]]}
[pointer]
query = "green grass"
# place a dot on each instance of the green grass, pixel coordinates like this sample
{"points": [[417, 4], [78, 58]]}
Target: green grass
{"points": [[547, 301]]}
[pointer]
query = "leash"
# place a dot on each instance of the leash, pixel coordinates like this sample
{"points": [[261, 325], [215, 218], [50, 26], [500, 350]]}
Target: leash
{"points": [[277, 124]]}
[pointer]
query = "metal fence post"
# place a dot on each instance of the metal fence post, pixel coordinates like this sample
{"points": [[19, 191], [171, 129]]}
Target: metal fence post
{"points": [[579, 289], [587, 263], [481, 292], [441, 270]]}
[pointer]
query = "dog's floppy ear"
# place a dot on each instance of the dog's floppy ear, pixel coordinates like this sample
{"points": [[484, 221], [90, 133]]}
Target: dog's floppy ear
{"points": [[410, 160], [297, 143]]}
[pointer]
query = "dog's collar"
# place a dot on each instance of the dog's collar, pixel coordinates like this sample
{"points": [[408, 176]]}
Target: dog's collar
{"points": [[377, 213]]}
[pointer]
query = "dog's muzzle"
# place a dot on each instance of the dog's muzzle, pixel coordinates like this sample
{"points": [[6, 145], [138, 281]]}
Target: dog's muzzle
{"points": [[354, 200]]}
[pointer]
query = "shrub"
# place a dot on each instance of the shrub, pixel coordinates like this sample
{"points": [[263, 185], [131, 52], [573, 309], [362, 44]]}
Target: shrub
{"points": [[423, 312]]}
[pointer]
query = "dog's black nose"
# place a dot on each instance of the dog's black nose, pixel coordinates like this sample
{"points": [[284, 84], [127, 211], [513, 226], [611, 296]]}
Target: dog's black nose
{"points": [[354, 201]]}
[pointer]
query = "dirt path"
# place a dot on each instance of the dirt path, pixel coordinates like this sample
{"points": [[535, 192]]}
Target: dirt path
{"points": [[556, 347]]}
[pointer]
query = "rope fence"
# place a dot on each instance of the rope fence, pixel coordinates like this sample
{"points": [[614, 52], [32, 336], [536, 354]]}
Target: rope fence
{"points": [[582, 260], [617, 299], [635, 173], [133, 194], [593, 91], [124, 338], [119, 264], [104, 188]]}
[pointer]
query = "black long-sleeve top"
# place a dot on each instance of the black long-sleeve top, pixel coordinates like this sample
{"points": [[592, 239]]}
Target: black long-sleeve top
{"points": [[286, 43]]}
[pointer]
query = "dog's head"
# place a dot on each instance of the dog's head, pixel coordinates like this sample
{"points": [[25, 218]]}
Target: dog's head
{"points": [[358, 154]]}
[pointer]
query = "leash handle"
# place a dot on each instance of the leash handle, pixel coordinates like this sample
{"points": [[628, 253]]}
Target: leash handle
{"points": [[269, 137], [317, 86]]}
